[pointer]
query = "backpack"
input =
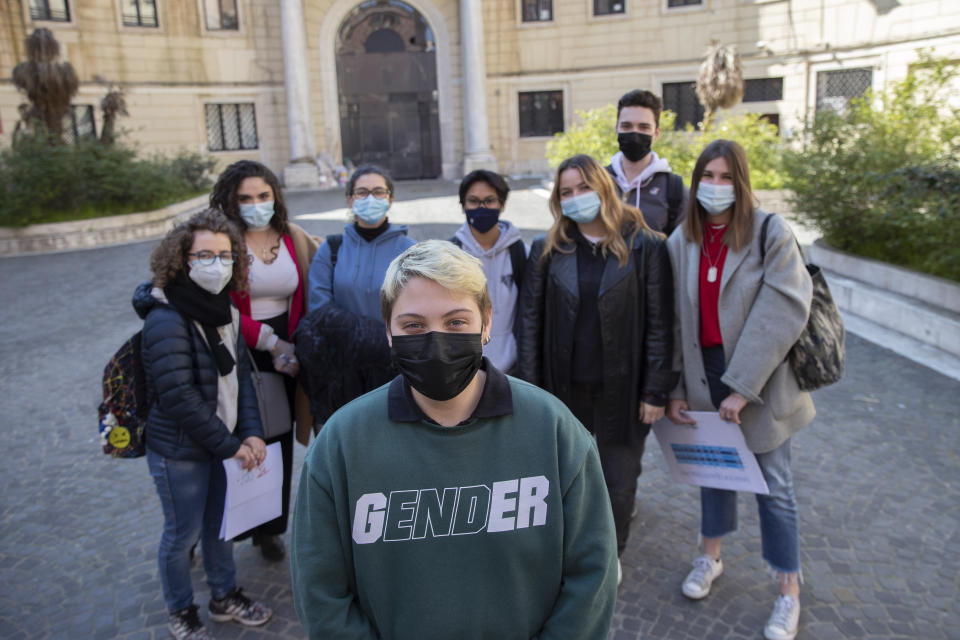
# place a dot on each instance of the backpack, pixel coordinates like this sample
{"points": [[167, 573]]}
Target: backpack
{"points": [[518, 259], [334, 241], [674, 199], [123, 412]]}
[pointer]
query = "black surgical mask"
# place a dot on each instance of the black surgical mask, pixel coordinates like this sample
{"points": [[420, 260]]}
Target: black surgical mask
{"points": [[482, 218], [635, 146], [439, 365]]}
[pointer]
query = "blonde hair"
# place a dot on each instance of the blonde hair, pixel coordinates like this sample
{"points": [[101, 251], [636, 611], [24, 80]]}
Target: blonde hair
{"points": [[442, 262], [618, 218], [740, 228]]}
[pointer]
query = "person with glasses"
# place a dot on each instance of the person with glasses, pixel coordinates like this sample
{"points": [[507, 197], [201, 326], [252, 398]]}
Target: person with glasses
{"points": [[597, 322], [279, 254], [501, 250], [203, 410]]}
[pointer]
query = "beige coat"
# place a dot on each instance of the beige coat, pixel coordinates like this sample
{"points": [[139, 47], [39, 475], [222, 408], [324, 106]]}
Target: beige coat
{"points": [[305, 247], [763, 309]]}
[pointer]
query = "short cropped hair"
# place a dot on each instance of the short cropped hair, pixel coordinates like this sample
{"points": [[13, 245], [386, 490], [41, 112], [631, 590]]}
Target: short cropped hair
{"points": [[495, 180], [442, 262], [641, 98], [367, 169]]}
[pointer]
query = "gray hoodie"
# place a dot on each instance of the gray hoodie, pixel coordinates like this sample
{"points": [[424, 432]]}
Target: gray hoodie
{"points": [[502, 348]]}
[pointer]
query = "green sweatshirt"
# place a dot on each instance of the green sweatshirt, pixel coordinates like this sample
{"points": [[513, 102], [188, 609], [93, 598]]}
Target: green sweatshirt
{"points": [[497, 528]]}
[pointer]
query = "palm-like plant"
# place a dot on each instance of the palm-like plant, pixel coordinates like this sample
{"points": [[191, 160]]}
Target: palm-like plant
{"points": [[720, 84], [49, 83]]}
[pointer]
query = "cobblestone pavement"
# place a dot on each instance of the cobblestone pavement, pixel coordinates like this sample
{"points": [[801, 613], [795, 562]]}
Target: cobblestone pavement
{"points": [[876, 476]]}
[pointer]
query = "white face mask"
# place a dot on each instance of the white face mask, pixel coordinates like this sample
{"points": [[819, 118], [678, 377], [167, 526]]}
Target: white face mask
{"points": [[715, 198], [211, 277]]}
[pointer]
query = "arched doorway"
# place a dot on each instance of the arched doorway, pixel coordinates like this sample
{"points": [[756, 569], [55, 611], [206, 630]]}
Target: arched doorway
{"points": [[387, 80]]}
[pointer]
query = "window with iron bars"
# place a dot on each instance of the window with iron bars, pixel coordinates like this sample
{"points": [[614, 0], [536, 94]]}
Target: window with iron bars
{"points": [[221, 15], [541, 113], [537, 10], [139, 13], [683, 3], [54, 10], [79, 123], [836, 88], [231, 127], [609, 7], [762, 89], [681, 98]]}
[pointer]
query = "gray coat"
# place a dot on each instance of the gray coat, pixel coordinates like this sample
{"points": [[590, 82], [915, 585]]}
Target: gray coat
{"points": [[763, 309]]}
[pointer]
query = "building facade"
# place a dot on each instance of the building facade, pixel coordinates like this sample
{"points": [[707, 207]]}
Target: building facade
{"points": [[433, 88]]}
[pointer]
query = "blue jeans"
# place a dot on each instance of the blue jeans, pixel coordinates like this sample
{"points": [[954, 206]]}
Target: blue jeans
{"points": [[778, 511], [192, 496]]}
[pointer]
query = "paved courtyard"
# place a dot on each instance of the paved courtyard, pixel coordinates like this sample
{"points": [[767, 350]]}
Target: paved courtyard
{"points": [[877, 477]]}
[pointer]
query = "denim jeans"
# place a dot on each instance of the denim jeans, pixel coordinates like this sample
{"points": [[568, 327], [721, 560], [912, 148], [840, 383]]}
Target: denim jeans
{"points": [[778, 511], [192, 495]]}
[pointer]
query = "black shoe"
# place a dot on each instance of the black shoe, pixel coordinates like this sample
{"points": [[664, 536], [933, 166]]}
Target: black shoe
{"points": [[270, 546]]}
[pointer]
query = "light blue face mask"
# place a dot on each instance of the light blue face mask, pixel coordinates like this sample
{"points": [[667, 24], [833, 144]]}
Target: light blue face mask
{"points": [[582, 208], [370, 209], [257, 215], [715, 198]]}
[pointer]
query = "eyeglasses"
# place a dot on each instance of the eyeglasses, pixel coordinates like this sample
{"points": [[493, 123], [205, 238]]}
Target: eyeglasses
{"points": [[207, 258], [379, 192], [490, 202]]}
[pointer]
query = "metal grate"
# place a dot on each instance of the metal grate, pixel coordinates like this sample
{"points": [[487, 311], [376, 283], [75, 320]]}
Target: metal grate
{"points": [[609, 7], [140, 13], [537, 10], [79, 123], [681, 98], [231, 127], [54, 10], [836, 88], [762, 89], [541, 113], [683, 3]]}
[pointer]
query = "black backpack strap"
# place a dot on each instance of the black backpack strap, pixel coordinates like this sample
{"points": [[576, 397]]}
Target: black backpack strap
{"points": [[518, 260], [334, 241], [763, 237], [455, 240], [674, 199]]}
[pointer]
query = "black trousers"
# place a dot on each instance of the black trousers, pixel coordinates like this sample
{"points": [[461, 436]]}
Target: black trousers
{"points": [[620, 460], [264, 361]]}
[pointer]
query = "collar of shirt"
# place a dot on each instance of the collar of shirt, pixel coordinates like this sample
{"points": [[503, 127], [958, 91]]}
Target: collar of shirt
{"points": [[495, 400]]}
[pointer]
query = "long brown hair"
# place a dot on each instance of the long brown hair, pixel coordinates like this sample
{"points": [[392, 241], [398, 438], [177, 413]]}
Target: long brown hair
{"points": [[170, 256], [618, 218], [740, 229]]}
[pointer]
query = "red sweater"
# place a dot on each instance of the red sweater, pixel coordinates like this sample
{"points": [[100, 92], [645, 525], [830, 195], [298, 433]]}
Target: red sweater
{"points": [[250, 327], [713, 247]]}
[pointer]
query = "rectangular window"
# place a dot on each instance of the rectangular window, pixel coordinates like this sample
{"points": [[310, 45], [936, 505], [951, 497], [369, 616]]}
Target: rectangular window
{"points": [[609, 7], [772, 118], [683, 3], [139, 13], [221, 15], [762, 89], [836, 88], [681, 98], [537, 10], [79, 123], [55, 10], [231, 127], [541, 113]]}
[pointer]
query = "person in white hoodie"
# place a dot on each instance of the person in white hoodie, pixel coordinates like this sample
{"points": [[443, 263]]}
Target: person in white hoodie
{"points": [[643, 178], [501, 250]]}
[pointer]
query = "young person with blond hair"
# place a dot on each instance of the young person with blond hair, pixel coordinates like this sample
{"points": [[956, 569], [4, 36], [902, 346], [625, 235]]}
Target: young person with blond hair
{"points": [[596, 322], [455, 501]]}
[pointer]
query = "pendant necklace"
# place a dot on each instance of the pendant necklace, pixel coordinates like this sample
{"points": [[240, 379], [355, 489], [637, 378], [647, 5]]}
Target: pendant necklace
{"points": [[711, 267], [267, 255]]}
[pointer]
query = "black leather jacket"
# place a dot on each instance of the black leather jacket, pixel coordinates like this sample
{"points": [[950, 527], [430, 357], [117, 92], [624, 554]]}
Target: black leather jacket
{"points": [[636, 325], [181, 379]]}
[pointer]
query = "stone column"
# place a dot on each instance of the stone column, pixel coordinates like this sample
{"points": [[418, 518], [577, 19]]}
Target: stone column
{"points": [[301, 171], [476, 132]]}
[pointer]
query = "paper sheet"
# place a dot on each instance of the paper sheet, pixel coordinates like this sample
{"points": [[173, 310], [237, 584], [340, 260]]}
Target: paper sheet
{"points": [[711, 454], [253, 497]]}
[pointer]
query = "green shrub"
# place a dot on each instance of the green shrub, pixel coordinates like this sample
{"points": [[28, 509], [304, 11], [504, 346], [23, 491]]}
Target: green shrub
{"points": [[880, 178], [594, 134], [43, 182]]}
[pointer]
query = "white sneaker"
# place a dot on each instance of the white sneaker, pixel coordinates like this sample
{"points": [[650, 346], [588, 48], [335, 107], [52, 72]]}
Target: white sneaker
{"points": [[783, 622], [705, 571], [619, 573]]}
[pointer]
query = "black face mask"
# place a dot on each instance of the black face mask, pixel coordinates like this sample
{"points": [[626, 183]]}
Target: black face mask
{"points": [[635, 146], [438, 365]]}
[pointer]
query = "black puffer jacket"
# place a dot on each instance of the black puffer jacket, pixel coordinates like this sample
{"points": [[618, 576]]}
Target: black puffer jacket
{"points": [[636, 326], [181, 378]]}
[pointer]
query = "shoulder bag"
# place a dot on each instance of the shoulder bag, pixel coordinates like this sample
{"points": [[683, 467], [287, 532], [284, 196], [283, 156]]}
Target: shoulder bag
{"points": [[272, 398]]}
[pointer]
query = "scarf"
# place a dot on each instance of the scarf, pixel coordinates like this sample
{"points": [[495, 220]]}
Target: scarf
{"points": [[211, 311]]}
